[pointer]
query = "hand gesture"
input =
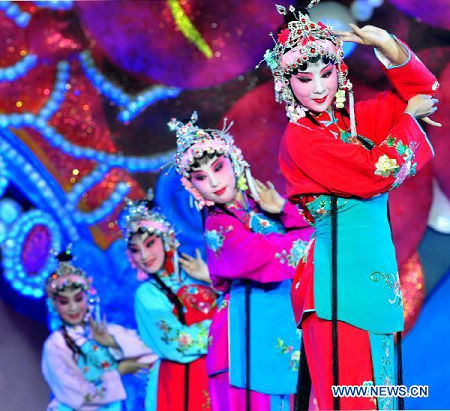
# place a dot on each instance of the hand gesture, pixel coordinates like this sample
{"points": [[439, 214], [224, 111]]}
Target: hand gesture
{"points": [[367, 36], [421, 106], [131, 366], [269, 198], [195, 267], [100, 333]]}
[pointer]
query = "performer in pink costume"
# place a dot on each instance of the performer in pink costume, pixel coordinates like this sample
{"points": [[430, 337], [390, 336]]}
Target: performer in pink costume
{"points": [[253, 246]]}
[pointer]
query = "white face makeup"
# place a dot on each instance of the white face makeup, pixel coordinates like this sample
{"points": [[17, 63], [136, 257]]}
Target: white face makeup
{"points": [[71, 305], [147, 252], [315, 87], [215, 180]]}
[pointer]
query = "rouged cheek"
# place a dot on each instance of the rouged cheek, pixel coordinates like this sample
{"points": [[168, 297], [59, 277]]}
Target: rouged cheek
{"points": [[301, 90], [332, 83], [202, 186], [226, 175]]}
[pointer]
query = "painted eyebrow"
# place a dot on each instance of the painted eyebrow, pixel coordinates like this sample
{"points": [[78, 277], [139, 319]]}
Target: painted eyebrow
{"points": [[215, 162], [145, 234], [150, 237], [196, 171], [325, 68]]}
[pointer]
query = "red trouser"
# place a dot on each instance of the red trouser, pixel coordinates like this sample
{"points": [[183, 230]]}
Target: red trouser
{"points": [[171, 386], [355, 361]]}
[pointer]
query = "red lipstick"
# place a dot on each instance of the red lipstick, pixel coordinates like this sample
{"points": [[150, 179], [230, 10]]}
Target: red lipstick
{"points": [[220, 192], [320, 100]]}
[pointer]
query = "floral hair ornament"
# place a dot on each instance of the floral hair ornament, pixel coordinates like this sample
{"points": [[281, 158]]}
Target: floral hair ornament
{"points": [[300, 41], [141, 216], [67, 275], [193, 142]]}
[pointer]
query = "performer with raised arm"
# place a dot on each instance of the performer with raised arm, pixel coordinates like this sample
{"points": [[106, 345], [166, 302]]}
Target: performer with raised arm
{"points": [[340, 162]]}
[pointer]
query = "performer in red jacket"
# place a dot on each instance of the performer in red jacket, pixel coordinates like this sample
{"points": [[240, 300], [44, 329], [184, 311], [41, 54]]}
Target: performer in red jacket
{"points": [[339, 163]]}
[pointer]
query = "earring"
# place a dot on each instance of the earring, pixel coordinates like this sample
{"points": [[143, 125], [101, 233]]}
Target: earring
{"points": [[340, 98]]}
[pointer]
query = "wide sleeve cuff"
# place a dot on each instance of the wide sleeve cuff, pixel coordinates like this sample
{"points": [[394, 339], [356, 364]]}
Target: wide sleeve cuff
{"points": [[388, 63]]}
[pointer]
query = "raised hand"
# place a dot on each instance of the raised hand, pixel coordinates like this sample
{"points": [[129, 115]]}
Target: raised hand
{"points": [[376, 37], [269, 198], [367, 35], [195, 267], [100, 333]]}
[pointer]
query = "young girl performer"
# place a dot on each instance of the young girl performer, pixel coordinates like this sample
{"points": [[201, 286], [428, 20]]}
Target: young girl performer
{"points": [[83, 360], [251, 258], [346, 294], [172, 310]]}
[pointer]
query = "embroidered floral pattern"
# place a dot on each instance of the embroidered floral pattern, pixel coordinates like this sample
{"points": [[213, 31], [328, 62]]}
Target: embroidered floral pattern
{"points": [[393, 282], [304, 258], [96, 360], [408, 168], [206, 400], [222, 306], [215, 238], [386, 374], [293, 258], [183, 340], [98, 394], [320, 207], [261, 224], [386, 166], [289, 350]]}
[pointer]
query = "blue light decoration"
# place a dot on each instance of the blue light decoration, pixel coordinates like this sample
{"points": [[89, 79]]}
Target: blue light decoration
{"points": [[130, 106], [12, 248], [10, 211], [59, 91], [35, 184], [55, 4], [86, 183], [19, 69], [108, 206], [132, 164], [13, 12], [4, 180]]}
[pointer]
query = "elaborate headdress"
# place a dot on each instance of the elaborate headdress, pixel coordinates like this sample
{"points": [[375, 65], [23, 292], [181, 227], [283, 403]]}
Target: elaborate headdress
{"points": [[141, 215], [298, 42], [193, 142], [66, 276]]}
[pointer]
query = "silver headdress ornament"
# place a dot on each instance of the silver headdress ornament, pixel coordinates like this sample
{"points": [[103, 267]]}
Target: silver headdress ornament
{"points": [[300, 41], [141, 215], [193, 142], [66, 275]]}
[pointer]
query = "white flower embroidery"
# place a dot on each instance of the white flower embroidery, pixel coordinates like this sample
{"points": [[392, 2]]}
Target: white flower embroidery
{"points": [[385, 166]]}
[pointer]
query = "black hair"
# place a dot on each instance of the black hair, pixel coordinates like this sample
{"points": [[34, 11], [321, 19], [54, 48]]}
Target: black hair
{"points": [[205, 158], [70, 342], [65, 257]]}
